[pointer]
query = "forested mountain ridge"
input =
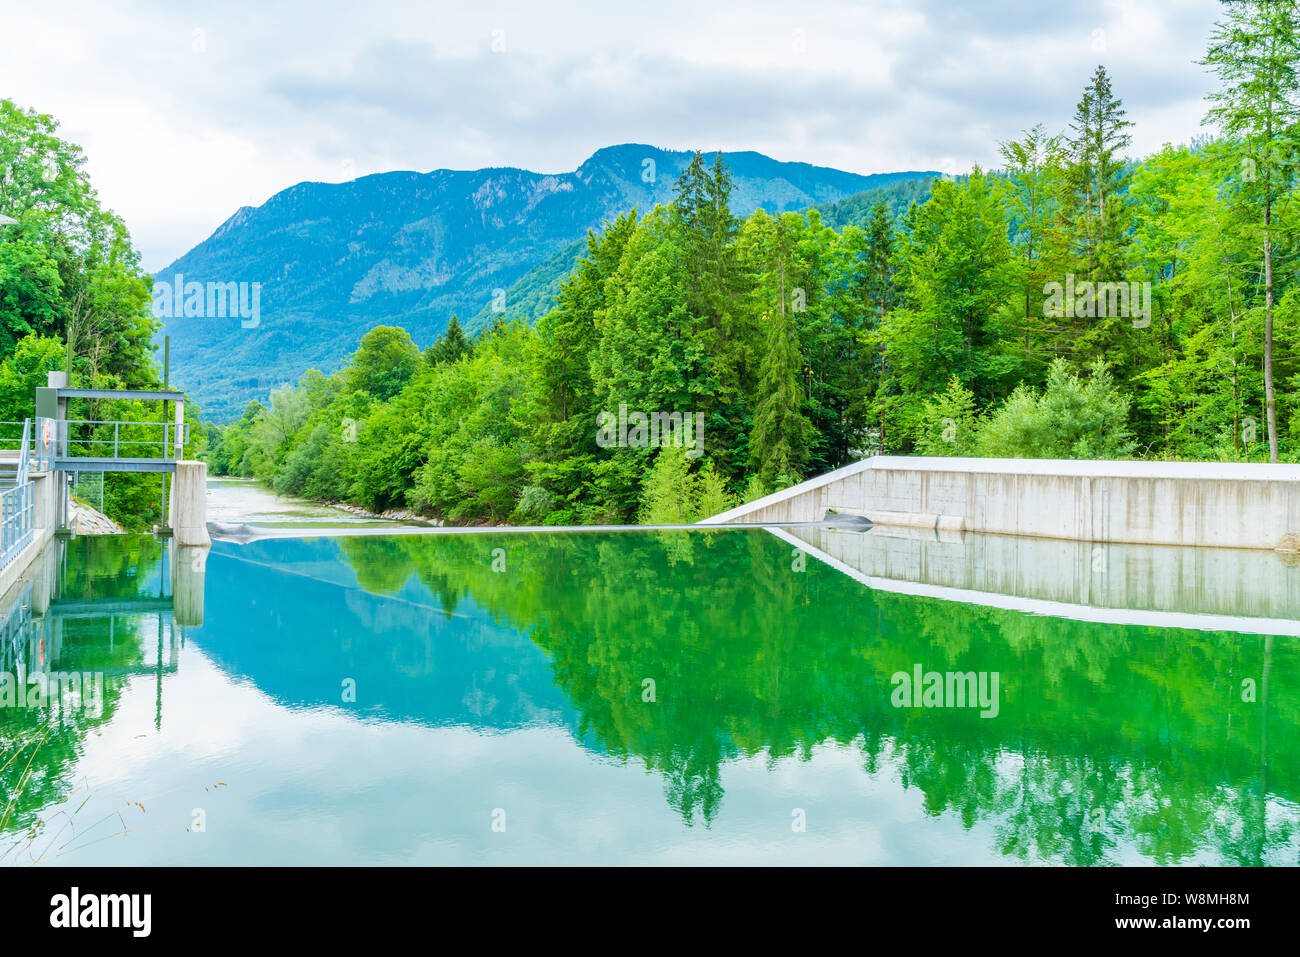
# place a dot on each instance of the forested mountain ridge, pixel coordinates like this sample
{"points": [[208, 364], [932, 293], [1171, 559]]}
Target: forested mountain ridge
{"points": [[1078, 303], [408, 248], [534, 294]]}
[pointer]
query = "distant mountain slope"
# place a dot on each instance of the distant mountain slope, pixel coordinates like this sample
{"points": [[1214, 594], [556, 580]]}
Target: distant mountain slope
{"points": [[412, 249], [856, 210], [533, 294]]}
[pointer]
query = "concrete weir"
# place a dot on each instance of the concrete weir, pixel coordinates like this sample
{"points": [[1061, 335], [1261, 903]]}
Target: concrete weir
{"points": [[1226, 505]]}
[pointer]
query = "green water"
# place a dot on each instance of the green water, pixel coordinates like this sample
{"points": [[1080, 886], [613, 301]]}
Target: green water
{"points": [[622, 697]]}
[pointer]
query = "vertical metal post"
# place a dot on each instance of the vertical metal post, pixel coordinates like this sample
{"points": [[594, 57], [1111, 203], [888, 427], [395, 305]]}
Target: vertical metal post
{"points": [[167, 365]]}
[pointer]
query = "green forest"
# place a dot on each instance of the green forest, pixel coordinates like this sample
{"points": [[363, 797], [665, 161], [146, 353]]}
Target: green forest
{"points": [[1076, 303], [72, 298]]}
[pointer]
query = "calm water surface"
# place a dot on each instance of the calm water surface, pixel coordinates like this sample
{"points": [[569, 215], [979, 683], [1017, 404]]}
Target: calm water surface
{"points": [[617, 697]]}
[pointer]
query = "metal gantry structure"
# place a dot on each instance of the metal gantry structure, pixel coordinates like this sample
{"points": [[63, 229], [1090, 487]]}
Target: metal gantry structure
{"points": [[65, 447], [72, 446]]}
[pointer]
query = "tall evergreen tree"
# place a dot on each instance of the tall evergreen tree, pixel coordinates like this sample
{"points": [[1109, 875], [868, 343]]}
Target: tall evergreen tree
{"points": [[879, 256], [778, 442], [1099, 176], [449, 346], [706, 230]]}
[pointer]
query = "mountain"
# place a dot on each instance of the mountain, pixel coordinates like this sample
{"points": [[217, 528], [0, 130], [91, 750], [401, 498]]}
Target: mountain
{"points": [[334, 260], [533, 294]]}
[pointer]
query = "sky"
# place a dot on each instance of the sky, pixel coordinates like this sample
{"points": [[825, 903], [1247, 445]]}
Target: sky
{"points": [[187, 111]]}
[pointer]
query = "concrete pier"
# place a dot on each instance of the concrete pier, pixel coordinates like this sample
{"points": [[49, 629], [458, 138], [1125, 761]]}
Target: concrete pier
{"points": [[189, 504]]}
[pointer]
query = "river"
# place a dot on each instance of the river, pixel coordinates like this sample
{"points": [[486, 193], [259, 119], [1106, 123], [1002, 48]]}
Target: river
{"points": [[239, 501]]}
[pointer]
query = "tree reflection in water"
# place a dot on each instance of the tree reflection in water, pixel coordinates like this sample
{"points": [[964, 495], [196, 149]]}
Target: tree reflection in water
{"points": [[1108, 736]]}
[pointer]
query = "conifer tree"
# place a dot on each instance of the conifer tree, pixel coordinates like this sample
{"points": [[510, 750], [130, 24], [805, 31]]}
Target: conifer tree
{"points": [[1035, 168], [1098, 174], [449, 346], [778, 442]]}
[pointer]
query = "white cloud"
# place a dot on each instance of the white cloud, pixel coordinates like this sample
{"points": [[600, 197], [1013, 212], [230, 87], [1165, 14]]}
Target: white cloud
{"points": [[188, 111]]}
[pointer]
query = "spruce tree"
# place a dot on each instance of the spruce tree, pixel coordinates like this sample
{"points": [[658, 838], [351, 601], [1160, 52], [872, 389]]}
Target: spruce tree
{"points": [[1035, 168], [779, 439], [1099, 175], [880, 281], [449, 346]]}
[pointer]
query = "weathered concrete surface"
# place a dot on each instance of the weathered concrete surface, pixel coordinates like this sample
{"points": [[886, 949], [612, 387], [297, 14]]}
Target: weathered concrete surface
{"points": [[189, 504], [1149, 503], [45, 520]]}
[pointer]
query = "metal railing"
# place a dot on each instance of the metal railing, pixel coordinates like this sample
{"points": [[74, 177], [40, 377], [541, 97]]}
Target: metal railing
{"points": [[73, 438], [18, 504], [17, 521], [44, 440], [10, 432]]}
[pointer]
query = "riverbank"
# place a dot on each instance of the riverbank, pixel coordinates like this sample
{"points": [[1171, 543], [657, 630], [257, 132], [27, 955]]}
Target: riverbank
{"points": [[240, 501], [85, 519]]}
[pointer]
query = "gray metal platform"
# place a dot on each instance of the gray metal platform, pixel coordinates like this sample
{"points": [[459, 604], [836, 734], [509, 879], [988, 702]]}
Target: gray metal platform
{"points": [[88, 464], [167, 395]]}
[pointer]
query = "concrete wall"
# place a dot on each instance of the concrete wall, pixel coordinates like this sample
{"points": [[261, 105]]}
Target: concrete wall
{"points": [[1149, 503], [44, 521]]}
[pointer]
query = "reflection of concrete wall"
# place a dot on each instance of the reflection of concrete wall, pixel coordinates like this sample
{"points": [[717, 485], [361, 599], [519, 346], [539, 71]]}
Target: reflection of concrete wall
{"points": [[44, 575], [1153, 503], [1204, 581]]}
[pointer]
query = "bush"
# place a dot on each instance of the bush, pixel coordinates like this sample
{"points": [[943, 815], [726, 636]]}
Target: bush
{"points": [[715, 497], [949, 423], [534, 503], [1072, 419], [669, 494]]}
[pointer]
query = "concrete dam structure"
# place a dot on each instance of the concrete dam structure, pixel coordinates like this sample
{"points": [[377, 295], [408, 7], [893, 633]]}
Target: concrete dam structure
{"points": [[1224, 505]]}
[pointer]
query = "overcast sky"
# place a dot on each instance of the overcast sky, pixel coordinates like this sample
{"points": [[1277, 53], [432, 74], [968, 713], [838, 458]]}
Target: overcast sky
{"points": [[188, 111]]}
